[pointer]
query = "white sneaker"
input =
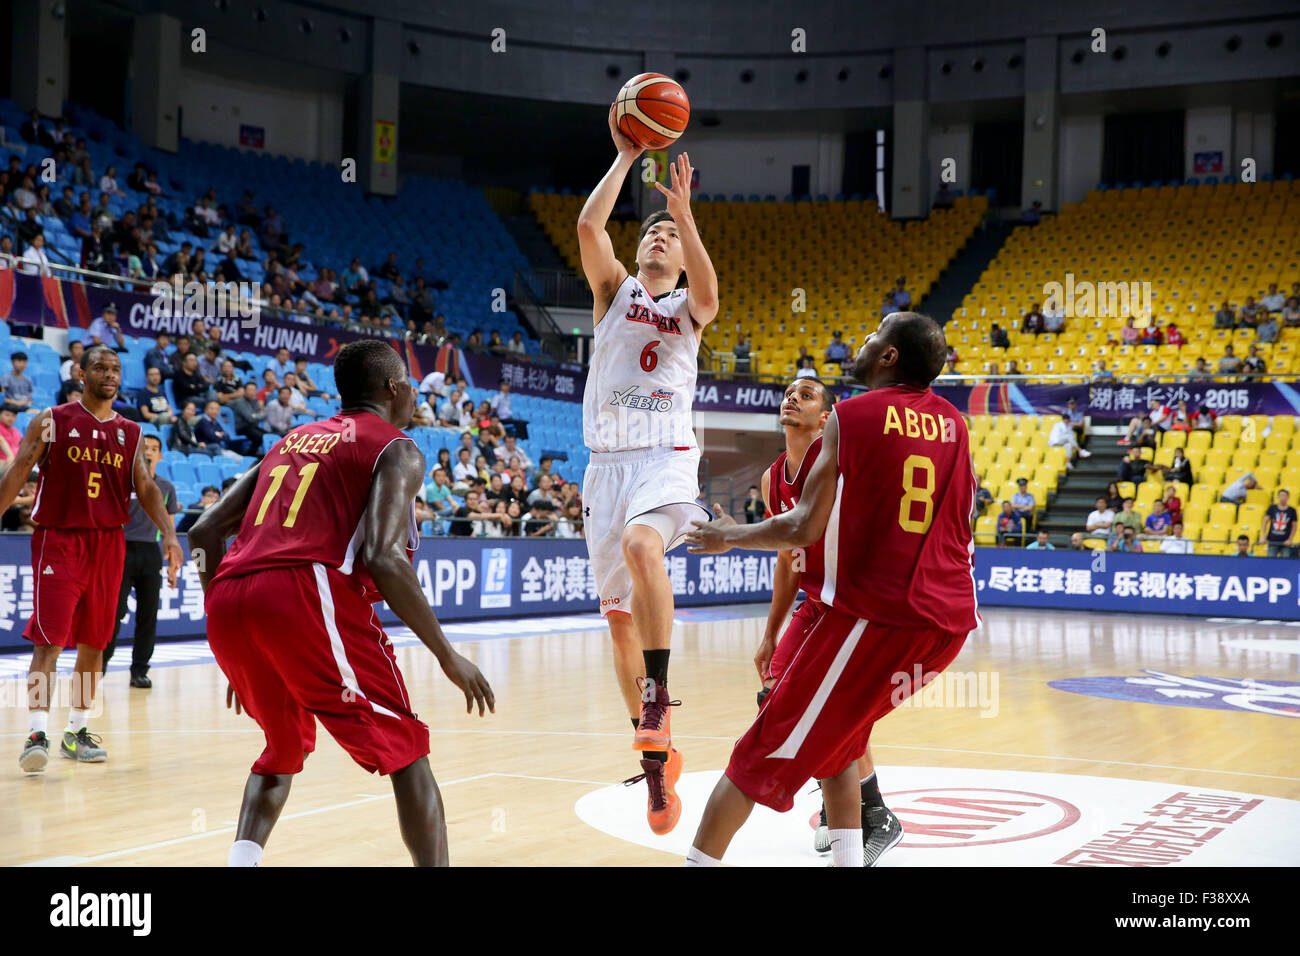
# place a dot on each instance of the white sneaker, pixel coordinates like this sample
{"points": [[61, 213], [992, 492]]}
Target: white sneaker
{"points": [[1084, 453]]}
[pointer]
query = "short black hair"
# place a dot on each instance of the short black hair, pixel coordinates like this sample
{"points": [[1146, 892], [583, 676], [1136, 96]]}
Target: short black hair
{"points": [[18, 355], [212, 488], [154, 438], [828, 394], [1243, 537], [659, 215], [362, 368], [88, 356], [922, 348]]}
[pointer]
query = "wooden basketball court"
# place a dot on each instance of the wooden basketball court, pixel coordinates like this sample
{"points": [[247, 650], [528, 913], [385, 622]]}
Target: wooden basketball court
{"points": [[178, 759]]}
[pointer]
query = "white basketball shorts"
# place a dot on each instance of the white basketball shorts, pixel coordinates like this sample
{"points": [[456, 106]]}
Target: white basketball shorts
{"points": [[619, 486]]}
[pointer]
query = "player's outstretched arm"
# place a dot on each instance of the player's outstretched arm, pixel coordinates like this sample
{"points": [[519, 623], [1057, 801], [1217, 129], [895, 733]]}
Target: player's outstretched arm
{"points": [[793, 529], [30, 452], [218, 523], [702, 297], [785, 588], [385, 529], [154, 504], [603, 270]]}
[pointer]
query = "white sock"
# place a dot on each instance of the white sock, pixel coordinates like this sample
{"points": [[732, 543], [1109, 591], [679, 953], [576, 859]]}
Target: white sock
{"points": [[76, 720], [40, 721], [245, 853], [696, 858], [846, 847]]}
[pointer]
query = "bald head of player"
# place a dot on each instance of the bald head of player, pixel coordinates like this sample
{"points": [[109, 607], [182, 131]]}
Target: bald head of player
{"points": [[101, 371], [659, 247], [908, 349], [371, 377]]}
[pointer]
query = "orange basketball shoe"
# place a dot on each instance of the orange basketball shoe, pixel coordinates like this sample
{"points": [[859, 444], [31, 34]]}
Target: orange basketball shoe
{"points": [[652, 730], [673, 772], [663, 807]]}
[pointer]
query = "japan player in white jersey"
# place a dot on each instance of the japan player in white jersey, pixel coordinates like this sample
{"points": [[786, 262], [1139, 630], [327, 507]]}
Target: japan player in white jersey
{"points": [[640, 489]]}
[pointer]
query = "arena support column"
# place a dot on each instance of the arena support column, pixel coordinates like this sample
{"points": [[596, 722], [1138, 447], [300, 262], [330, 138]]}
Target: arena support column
{"points": [[914, 181], [378, 104], [1039, 161], [156, 80], [38, 55]]}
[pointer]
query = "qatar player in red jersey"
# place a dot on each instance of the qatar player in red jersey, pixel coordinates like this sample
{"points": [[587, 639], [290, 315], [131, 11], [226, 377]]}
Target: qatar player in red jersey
{"points": [[891, 494], [89, 464], [325, 528], [807, 405]]}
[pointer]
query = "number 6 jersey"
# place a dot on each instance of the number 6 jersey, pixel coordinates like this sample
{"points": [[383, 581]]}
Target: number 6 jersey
{"points": [[641, 377], [312, 490], [898, 548]]}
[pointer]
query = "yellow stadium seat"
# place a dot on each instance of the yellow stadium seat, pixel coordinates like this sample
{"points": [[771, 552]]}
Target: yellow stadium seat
{"points": [[1199, 441], [1126, 489], [1173, 439], [1223, 514], [986, 530]]}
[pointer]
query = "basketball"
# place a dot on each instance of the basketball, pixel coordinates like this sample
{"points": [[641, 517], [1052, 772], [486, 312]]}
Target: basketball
{"points": [[652, 110]]}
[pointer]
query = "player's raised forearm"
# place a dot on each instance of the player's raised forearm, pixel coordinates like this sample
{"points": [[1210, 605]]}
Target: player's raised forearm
{"points": [[700, 275], [596, 210]]}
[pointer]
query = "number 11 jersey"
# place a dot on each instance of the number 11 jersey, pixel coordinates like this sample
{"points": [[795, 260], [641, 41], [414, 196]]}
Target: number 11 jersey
{"points": [[312, 491]]}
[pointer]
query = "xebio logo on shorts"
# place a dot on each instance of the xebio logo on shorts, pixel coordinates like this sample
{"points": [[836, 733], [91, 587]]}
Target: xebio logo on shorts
{"points": [[659, 400]]}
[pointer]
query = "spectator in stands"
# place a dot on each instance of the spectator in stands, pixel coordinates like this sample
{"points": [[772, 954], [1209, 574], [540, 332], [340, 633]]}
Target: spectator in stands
{"points": [[1114, 500], [1251, 313], [211, 432], [1053, 317], [1253, 364], [1076, 541], [1129, 334], [1278, 529], [33, 129], [270, 386], [754, 507], [1126, 517], [1034, 214], [249, 414], [516, 345], [464, 469], [1182, 418], [1009, 523], [105, 330], [16, 384], [1235, 493], [188, 384], [943, 199], [1126, 542], [157, 356], [1181, 469], [1201, 373], [182, 438], [983, 497], [24, 197], [1032, 324], [71, 366], [1173, 504], [1100, 519], [1075, 418], [1013, 368], [279, 413], [887, 307], [1273, 300], [305, 383], [210, 494], [244, 248], [1023, 502], [153, 403], [1267, 330], [1174, 335], [902, 298], [1134, 467], [437, 493], [65, 207], [500, 402], [228, 386], [272, 231], [1158, 522], [1225, 318], [462, 525], [6, 250], [1291, 313], [1151, 335], [1063, 435], [228, 268], [1243, 546], [951, 358], [1205, 419], [837, 352], [10, 437], [448, 409], [296, 398], [36, 260], [1175, 543], [1100, 373], [178, 262], [210, 363], [1229, 363], [108, 182], [510, 451], [570, 525], [540, 522], [281, 365], [1158, 419], [1040, 543]]}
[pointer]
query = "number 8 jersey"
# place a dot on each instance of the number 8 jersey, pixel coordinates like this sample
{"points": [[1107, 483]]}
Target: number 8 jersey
{"points": [[312, 490], [641, 377], [898, 548]]}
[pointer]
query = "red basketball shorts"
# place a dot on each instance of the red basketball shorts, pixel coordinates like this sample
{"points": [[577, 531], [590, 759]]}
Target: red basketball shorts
{"points": [[76, 574], [817, 720], [801, 622], [299, 644]]}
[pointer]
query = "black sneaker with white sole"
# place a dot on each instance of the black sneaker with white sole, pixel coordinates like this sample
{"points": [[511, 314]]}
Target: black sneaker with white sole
{"points": [[881, 832]]}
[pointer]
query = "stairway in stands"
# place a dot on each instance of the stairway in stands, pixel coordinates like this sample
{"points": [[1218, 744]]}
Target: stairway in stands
{"points": [[964, 271], [534, 243], [1076, 495]]}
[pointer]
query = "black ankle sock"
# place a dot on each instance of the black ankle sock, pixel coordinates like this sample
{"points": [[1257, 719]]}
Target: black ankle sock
{"points": [[656, 666], [636, 723], [871, 792], [660, 755]]}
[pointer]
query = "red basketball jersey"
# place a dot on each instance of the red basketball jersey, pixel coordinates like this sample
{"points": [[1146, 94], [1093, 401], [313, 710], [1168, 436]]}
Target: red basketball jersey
{"points": [[88, 472], [312, 489], [898, 546], [784, 495]]}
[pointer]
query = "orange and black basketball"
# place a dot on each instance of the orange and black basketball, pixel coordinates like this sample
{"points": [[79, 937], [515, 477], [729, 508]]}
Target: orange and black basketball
{"points": [[652, 110]]}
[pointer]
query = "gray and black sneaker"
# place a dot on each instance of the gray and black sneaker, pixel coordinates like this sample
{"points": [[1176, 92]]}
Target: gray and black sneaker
{"points": [[36, 753], [822, 838], [83, 746], [881, 832]]}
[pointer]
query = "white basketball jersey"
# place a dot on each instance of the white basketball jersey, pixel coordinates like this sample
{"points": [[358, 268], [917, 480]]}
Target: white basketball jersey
{"points": [[641, 378]]}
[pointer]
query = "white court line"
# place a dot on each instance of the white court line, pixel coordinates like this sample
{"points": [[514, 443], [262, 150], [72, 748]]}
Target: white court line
{"points": [[364, 798]]}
